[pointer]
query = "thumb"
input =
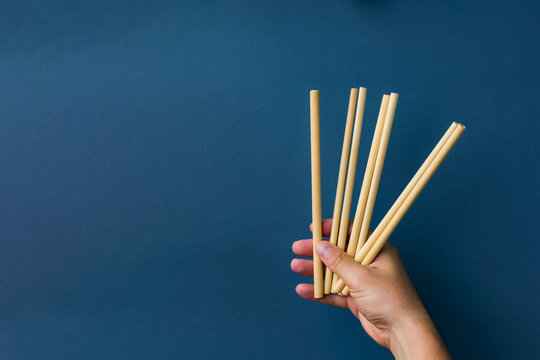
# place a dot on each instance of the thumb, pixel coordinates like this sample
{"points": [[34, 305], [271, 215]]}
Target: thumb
{"points": [[342, 264]]}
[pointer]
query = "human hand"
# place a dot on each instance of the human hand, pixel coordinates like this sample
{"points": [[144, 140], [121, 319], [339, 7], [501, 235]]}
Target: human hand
{"points": [[381, 296]]}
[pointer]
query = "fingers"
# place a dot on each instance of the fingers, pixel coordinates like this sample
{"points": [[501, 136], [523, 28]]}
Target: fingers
{"points": [[306, 291], [303, 247], [327, 227], [352, 273], [302, 267]]}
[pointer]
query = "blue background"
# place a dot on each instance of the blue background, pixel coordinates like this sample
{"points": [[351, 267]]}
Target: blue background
{"points": [[155, 171]]}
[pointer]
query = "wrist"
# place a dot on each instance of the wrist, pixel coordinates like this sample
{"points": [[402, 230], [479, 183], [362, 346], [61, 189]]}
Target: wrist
{"points": [[414, 336]]}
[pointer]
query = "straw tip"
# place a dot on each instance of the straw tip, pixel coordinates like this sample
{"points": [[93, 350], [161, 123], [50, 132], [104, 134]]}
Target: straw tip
{"points": [[456, 124], [314, 92]]}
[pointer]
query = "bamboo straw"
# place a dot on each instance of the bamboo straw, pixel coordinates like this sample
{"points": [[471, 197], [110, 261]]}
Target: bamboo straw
{"points": [[341, 181], [316, 190], [377, 171], [376, 248], [349, 187], [360, 207], [407, 197], [361, 252]]}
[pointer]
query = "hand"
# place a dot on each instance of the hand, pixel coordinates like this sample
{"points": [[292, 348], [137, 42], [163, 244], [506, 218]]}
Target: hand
{"points": [[381, 296]]}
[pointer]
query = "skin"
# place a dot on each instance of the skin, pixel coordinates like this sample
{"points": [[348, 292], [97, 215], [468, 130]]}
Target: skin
{"points": [[381, 296]]}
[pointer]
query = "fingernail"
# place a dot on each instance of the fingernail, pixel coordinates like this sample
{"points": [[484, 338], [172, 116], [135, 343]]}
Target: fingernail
{"points": [[323, 249]]}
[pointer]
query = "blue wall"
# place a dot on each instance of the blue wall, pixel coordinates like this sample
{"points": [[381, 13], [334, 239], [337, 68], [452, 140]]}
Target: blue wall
{"points": [[155, 170]]}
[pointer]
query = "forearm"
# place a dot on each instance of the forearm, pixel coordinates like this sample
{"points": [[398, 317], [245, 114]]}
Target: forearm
{"points": [[415, 337]]}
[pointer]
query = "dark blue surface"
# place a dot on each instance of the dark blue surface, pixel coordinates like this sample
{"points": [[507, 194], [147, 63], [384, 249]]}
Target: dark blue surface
{"points": [[155, 170]]}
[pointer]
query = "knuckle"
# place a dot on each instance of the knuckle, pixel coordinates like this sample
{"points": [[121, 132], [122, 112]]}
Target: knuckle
{"points": [[391, 250], [359, 277], [354, 284], [338, 259]]}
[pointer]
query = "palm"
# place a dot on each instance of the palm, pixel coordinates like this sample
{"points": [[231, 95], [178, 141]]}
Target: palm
{"points": [[381, 296], [305, 267], [379, 335]]}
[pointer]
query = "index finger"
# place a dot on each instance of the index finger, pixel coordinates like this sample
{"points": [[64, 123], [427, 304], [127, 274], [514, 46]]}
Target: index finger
{"points": [[327, 227], [303, 247]]}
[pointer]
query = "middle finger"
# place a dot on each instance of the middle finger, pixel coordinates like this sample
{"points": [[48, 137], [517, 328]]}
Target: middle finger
{"points": [[302, 267]]}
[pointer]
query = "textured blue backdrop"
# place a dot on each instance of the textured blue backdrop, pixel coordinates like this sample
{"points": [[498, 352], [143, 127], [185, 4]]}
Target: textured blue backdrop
{"points": [[155, 170]]}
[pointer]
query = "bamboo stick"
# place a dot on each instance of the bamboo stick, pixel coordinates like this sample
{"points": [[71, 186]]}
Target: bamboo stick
{"points": [[360, 207], [379, 243], [407, 197], [349, 187], [341, 181], [377, 171], [316, 190], [362, 251]]}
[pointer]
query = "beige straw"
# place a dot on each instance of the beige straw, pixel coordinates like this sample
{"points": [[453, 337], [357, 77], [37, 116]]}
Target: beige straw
{"points": [[349, 187], [379, 237], [361, 252], [377, 171], [379, 243], [316, 191], [360, 207], [341, 181]]}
